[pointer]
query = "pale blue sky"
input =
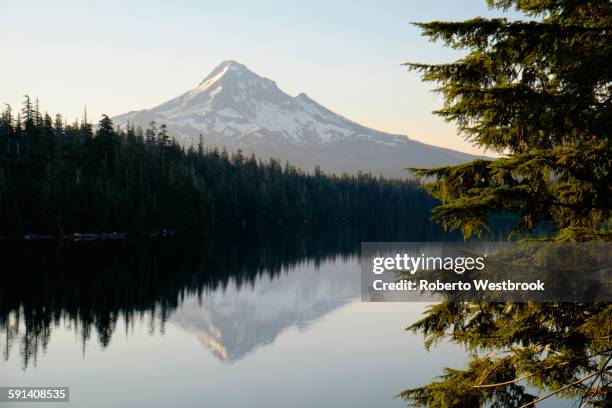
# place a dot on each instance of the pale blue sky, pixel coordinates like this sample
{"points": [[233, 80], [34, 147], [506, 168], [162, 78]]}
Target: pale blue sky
{"points": [[116, 56]]}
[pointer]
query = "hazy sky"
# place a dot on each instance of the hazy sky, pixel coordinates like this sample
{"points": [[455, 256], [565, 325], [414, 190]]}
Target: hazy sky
{"points": [[116, 56]]}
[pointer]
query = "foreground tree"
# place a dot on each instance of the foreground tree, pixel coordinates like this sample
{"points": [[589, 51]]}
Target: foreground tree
{"points": [[538, 93]]}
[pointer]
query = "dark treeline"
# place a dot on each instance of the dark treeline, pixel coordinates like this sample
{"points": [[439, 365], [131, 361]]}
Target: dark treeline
{"points": [[57, 177]]}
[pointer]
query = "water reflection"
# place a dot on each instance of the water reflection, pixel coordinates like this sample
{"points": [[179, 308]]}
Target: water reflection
{"points": [[239, 290], [233, 321]]}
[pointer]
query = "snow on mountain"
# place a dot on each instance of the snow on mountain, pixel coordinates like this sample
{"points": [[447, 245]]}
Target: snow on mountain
{"points": [[238, 109]]}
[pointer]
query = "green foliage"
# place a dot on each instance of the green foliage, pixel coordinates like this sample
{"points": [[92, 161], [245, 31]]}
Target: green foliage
{"points": [[565, 185], [544, 346], [57, 178], [538, 92]]}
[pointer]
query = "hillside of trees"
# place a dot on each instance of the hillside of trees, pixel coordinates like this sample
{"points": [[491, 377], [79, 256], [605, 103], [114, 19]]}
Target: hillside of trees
{"points": [[58, 178]]}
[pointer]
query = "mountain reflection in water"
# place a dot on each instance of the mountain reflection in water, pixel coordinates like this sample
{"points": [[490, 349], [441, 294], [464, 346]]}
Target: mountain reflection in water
{"points": [[234, 320]]}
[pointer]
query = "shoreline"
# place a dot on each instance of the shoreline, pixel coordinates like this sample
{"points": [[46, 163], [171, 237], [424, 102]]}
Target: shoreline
{"points": [[87, 236]]}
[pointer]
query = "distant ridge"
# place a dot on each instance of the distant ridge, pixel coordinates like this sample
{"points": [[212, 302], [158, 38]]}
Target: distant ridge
{"points": [[236, 108]]}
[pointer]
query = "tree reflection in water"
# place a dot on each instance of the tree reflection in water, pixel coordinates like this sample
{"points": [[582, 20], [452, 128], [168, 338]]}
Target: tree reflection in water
{"points": [[89, 287]]}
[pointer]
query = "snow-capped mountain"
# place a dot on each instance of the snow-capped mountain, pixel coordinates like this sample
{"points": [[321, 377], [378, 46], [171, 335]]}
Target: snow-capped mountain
{"points": [[236, 108]]}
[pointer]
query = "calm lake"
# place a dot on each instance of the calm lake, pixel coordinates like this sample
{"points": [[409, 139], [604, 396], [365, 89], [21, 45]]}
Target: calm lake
{"points": [[270, 318]]}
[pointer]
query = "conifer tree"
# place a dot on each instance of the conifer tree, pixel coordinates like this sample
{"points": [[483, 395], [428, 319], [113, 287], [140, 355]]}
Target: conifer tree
{"points": [[151, 134], [537, 92], [200, 146]]}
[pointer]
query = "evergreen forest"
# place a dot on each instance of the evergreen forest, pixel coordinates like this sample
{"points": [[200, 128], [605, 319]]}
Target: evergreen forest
{"points": [[58, 178]]}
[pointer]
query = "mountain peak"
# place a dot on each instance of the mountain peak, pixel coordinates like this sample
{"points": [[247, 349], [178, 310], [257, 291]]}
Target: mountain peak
{"points": [[234, 65], [227, 66]]}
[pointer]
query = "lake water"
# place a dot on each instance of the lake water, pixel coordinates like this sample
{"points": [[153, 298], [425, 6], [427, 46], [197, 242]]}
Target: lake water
{"points": [[261, 319]]}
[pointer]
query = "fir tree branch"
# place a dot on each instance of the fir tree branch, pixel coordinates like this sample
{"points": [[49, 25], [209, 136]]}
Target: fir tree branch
{"points": [[505, 382], [558, 390]]}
